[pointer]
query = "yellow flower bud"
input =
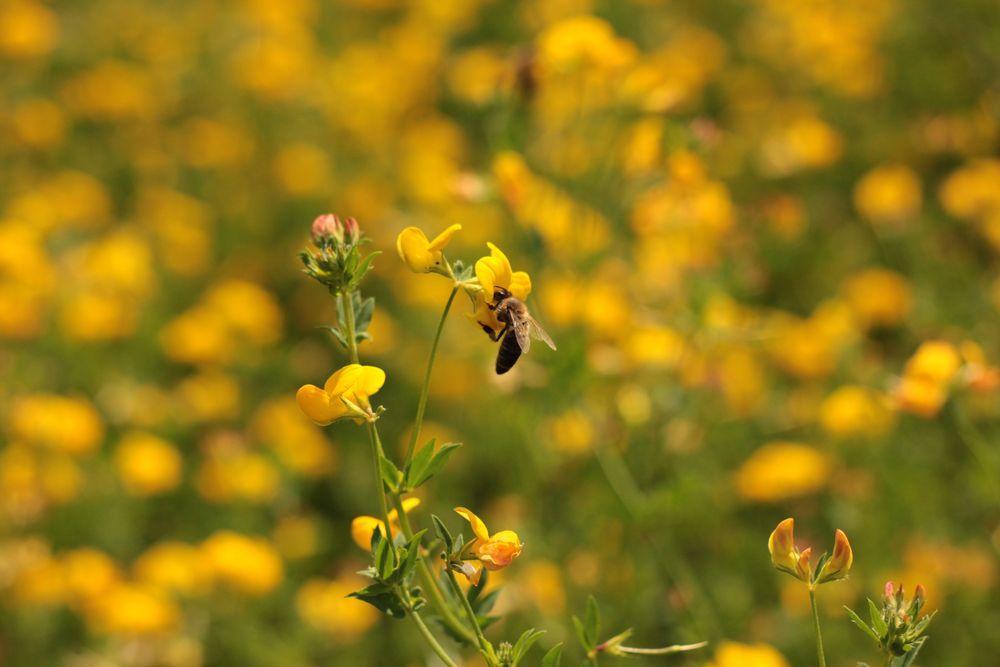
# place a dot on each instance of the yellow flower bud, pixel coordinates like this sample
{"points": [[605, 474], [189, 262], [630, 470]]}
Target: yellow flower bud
{"points": [[840, 562], [781, 544], [421, 255]]}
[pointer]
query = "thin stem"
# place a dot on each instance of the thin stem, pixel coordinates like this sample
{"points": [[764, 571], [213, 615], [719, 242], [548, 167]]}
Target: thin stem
{"points": [[666, 650], [422, 403], [888, 659], [347, 305], [431, 641], [429, 581], [819, 637], [484, 645]]}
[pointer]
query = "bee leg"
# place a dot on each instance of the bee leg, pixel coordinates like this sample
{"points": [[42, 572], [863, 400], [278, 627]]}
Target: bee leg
{"points": [[494, 336]]}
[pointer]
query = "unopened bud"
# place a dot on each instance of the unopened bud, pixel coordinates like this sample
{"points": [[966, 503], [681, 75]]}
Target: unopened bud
{"points": [[328, 227], [352, 230]]}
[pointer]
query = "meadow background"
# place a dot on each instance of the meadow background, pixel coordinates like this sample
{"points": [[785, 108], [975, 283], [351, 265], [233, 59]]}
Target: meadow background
{"points": [[764, 235]]}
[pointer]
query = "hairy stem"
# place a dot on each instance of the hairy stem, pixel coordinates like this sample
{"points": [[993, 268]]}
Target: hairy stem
{"points": [[819, 636], [422, 403], [431, 641]]}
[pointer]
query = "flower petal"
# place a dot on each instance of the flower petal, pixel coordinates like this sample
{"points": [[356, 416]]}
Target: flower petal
{"points": [[414, 249], [362, 529], [316, 405], [478, 527], [342, 379], [441, 240], [520, 285], [369, 381]]}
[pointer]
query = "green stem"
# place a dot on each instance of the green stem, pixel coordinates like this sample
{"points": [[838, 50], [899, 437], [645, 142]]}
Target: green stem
{"points": [[430, 583], [888, 660], [431, 641], [819, 636], [422, 403], [484, 645], [347, 305]]}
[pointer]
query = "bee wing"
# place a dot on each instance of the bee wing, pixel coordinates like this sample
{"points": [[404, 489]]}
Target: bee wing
{"points": [[538, 332], [522, 329]]}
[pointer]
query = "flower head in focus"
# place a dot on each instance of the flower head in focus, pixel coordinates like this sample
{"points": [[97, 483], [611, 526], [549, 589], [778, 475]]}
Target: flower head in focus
{"points": [[421, 255], [785, 556], [896, 626], [345, 395], [494, 552], [495, 271], [336, 260]]}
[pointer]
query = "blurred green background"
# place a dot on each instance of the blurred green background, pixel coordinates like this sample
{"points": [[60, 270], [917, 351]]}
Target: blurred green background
{"points": [[763, 234]]}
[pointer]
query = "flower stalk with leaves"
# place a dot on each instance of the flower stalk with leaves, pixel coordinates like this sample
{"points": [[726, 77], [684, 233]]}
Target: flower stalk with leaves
{"points": [[399, 556]]}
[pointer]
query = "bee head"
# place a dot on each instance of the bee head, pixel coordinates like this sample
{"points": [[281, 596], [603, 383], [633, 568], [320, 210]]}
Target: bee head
{"points": [[499, 294]]}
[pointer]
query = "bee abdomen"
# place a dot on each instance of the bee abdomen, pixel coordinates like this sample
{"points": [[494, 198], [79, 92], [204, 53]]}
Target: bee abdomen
{"points": [[508, 354]]}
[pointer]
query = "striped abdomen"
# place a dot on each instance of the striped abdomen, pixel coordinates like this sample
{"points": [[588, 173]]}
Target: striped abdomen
{"points": [[508, 354]]}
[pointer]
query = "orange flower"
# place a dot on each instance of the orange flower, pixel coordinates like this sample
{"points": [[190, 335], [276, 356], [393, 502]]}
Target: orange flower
{"points": [[494, 552]]}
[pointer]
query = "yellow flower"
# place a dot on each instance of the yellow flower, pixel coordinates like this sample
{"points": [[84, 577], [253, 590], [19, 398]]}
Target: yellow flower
{"points": [[787, 558], [732, 654], [782, 470], [495, 552], [344, 396], [854, 411], [147, 465], [363, 527], [324, 604], [130, 609], [249, 564], [889, 194], [492, 272], [174, 567], [421, 255]]}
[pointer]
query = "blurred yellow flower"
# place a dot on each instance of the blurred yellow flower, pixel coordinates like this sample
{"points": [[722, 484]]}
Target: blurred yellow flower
{"points": [[854, 411], [130, 609], [297, 536], [38, 122], [174, 567], [878, 298], [147, 464], [27, 29], [733, 654], [249, 564], [421, 255], [363, 527], [781, 470], [67, 424], [237, 476], [301, 446], [88, 575], [889, 194], [353, 383], [494, 552], [324, 604], [936, 360], [582, 43]]}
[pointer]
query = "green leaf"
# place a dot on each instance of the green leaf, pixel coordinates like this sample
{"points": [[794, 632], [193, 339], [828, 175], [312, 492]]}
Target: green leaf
{"points": [[907, 660], [554, 657], [581, 634], [364, 266], [592, 621], [385, 559], [434, 465], [442, 532], [390, 474], [856, 620], [337, 333], [418, 463], [878, 625], [363, 312], [524, 643], [484, 604], [408, 558], [381, 597]]}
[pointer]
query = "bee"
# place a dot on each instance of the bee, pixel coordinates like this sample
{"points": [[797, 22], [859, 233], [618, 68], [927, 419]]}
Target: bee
{"points": [[519, 327]]}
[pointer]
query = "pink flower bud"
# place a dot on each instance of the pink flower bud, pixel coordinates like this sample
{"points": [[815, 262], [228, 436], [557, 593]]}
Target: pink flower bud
{"points": [[328, 226], [351, 229]]}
